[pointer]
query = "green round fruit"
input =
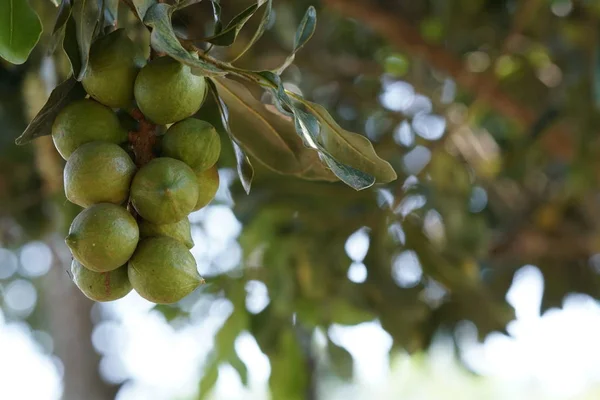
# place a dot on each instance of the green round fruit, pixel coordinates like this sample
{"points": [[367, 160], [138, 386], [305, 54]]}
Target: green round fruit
{"points": [[166, 91], [194, 142], [85, 121], [164, 191], [103, 237], [162, 270], [113, 66], [180, 231], [98, 172], [208, 184], [101, 286]]}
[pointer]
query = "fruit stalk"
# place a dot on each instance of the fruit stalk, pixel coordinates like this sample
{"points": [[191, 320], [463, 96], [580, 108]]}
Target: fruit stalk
{"points": [[143, 140]]}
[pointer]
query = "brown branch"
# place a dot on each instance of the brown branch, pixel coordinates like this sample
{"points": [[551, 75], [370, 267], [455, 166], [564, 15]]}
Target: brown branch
{"points": [[403, 35]]}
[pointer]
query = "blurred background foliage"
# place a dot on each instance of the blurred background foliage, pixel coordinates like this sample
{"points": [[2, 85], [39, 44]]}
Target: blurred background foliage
{"points": [[487, 109]]}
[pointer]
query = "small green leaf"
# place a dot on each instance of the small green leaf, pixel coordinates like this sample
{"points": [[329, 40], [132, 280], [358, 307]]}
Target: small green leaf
{"points": [[58, 32], [349, 148], [110, 10], [62, 95], [268, 135], [227, 36], [87, 15], [164, 40], [20, 30], [262, 26], [64, 12], [140, 7], [210, 375], [305, 31], [244, 166], [71, 47], [240, 367], [341, 361], [185, 3]]}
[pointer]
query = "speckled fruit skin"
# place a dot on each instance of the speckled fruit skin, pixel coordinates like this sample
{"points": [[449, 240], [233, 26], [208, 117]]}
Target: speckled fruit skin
{"points": [[103, 237], [193, 141], [164, 191], [166, 91], [181, 231], [114, 64], [163, 271], [98, 172], [85, 121], [208, 184], [101, 286]]}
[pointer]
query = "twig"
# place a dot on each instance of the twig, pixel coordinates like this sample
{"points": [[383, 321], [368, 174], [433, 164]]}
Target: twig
{"points": [[143, 140]]}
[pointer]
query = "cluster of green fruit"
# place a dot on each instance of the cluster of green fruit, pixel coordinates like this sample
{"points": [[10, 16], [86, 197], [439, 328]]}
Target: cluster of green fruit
{"points": [[134, 231]]}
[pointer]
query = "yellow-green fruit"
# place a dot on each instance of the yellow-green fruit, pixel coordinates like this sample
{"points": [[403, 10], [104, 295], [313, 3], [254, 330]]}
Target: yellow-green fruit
{"points": [[163, 271], [101, 286], [98, 172], [114, 64], [193, 141], [208, 184], [180, 231], [103, 237], [166, 91], [164, 191], [85, 121]]}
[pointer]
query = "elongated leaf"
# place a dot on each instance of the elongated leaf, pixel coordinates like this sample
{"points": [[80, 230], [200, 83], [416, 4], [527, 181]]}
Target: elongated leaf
{"points": [[110, 12], [289, 378], [71, 47], [210, 374], [305, 31], [58, 32], [62, 95], [216, 5], [261, 27], [244, 166], [186, 3], [341, 361], [349, 148], [164, 40], [227, 36], [240, 367], [267, 135], [20, 30], [86, 14], [64, 12], [140, 7]]}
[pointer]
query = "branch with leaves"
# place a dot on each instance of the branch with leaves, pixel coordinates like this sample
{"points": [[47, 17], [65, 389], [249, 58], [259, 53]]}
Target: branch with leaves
{"points": [[295, 136]]}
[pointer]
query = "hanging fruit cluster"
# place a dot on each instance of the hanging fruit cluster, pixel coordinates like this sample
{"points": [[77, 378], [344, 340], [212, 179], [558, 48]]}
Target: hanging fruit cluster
{"points": [[134, 231]]}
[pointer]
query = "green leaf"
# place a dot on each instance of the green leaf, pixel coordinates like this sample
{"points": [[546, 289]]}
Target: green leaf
{"points": [[289, 378], [20, 30], [87, 15], [110, 11], [268, 135], [164, 40], [140, 7], [341, 361], [305, 31], [58, 32], [244, 166], [227, 36], [62, 95], [262, 26], [185, 3], [240, 367], [210, 374], [349, 148], [71, 47], [64, 12]]}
